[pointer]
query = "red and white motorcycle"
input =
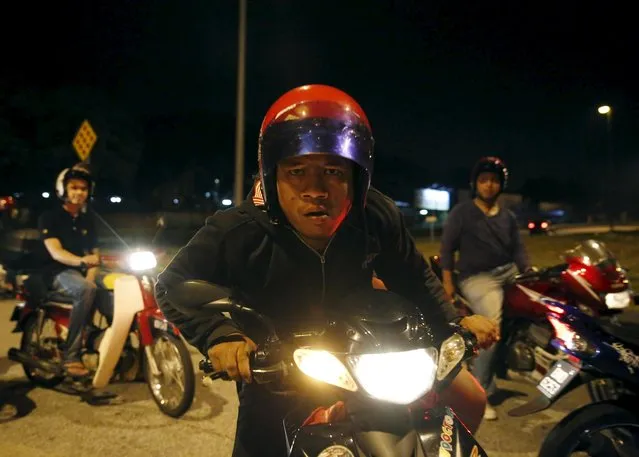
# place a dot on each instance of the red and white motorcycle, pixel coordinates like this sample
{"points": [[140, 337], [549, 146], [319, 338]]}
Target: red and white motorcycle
{"points": [[140, 342]]}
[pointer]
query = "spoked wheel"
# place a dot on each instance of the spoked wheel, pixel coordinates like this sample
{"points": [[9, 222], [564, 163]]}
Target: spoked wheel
{"points": [[42, 344], [173, 386]]}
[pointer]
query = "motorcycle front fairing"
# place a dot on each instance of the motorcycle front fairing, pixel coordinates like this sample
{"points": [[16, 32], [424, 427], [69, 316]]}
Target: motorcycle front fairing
{"points": [[436, 432], [127, 303]]}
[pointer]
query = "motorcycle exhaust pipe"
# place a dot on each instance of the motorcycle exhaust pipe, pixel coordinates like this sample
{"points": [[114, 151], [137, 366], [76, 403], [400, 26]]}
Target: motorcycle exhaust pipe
{"points": [[27, 360]]}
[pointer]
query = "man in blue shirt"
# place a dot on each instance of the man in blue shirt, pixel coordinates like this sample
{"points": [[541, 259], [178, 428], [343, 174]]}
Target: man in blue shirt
{"points": [[491, 254]]}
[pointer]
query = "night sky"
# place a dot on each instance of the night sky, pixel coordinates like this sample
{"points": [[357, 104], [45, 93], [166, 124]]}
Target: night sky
{"points": [[442, 82]]}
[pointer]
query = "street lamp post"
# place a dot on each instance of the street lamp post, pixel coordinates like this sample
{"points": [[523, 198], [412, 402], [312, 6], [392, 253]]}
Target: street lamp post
{"points": [[606, 110], [238, 196]]}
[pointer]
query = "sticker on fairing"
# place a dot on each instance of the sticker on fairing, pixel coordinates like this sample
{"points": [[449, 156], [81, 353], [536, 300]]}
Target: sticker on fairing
{"points": [[336, 451], [446, 443], [626, 356]]}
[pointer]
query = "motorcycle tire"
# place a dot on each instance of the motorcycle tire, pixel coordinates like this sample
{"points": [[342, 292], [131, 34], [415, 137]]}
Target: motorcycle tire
{"points": [[188, 393], [28, 335], [566, 436]]}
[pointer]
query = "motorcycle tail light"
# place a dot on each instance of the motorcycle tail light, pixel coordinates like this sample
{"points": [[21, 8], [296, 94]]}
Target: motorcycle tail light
{"points": [[572, 340]]}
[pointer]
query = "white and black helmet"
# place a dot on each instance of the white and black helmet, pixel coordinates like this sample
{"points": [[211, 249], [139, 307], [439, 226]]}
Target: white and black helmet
{"points": [[75, 172]]}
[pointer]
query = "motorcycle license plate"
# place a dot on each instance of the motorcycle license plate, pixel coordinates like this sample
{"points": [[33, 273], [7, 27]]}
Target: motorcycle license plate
{"points": [[558, 377], [161, 325]]}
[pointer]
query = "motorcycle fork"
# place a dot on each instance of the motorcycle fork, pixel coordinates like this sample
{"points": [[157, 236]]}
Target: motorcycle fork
{"points": [[150, 359]]}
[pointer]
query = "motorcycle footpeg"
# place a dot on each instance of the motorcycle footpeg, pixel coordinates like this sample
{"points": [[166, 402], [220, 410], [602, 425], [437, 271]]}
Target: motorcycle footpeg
{"points": [[78, 385]]}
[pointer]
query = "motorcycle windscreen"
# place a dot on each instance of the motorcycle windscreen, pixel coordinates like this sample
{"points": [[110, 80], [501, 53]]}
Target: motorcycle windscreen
{"points": [[440, 434]]}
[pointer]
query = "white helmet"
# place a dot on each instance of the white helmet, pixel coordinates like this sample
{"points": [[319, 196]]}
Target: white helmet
{"points": [[75, 172]]}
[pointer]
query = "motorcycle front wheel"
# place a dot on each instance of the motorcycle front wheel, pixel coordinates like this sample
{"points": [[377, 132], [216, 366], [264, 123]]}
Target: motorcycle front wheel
{"points": [[597, 430], [173, 388]]}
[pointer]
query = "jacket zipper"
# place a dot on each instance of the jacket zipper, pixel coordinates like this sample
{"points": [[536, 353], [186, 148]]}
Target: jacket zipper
{"points": [[322, 258]]}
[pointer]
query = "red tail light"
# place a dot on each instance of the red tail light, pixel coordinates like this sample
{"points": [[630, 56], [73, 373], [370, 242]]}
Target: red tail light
{"points": [[531, 225], [544, 225]]}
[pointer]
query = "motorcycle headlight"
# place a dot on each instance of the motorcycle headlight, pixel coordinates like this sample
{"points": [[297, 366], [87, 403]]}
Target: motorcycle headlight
{"points": [[396, 377], [142, 260], [451, 354], [618, 300], [325, 367]]}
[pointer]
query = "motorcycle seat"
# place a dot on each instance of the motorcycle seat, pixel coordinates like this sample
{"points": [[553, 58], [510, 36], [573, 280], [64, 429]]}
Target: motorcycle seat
{"points": [[624, 326], [55, 297]]}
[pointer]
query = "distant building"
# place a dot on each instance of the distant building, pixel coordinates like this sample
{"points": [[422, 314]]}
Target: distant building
{"points": [[432, 205]]}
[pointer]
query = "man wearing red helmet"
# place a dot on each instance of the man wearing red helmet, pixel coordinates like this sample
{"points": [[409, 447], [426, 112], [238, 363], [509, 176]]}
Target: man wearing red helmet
{"points": [[312, 231], [491, 254]]}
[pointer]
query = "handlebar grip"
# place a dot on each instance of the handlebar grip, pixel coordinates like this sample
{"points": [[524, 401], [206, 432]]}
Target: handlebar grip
{"points": [[256, 359], [472, 343], [223, 375], [207, 368]]}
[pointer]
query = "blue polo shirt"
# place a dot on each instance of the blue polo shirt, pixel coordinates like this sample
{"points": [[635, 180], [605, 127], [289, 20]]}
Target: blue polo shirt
{"points": [[483, 242]]}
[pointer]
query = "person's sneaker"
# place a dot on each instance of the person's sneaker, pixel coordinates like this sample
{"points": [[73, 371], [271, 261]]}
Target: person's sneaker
{"points": [[490, 414]]}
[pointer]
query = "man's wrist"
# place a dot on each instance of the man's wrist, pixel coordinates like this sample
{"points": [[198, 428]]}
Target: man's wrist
{"points": [[232, 338]]}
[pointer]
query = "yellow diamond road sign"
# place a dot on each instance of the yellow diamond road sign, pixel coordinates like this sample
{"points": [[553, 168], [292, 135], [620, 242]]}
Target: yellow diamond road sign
{"points": [[84, 140]]}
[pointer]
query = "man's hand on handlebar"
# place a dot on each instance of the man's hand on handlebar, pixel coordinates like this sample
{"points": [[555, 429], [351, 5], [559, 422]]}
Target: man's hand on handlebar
{"points": [[233, 358], [91, 260], [485, 330]]}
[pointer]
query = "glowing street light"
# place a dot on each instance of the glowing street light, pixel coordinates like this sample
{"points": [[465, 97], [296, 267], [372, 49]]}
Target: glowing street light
{"points": [[605, 109]]}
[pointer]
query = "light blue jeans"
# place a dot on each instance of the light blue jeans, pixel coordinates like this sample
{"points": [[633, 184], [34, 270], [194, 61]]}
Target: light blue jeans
{"points": [[485, 295], [83, 293]]}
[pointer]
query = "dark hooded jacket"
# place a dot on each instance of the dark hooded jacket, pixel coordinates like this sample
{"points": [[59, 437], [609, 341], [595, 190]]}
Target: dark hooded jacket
{"points": [[268, 267]]}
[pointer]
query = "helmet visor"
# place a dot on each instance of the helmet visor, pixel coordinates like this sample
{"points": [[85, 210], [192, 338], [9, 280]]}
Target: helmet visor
{"points": [[317, 127]]}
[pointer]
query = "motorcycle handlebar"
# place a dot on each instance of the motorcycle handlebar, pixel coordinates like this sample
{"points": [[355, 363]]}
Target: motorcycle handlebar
{"points": [[264, 374], [261, 374], [546, 273]]}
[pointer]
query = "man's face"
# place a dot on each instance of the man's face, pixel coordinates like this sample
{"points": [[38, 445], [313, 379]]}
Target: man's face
{"points": [[488, 186], [315, 193], [77, 191]]}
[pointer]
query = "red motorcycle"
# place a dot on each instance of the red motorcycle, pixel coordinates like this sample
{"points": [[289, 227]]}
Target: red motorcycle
{"points": [[590, 278], [139, 343]]}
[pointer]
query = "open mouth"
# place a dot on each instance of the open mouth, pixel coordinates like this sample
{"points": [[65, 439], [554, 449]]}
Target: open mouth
{"points": [[317, 214]]}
